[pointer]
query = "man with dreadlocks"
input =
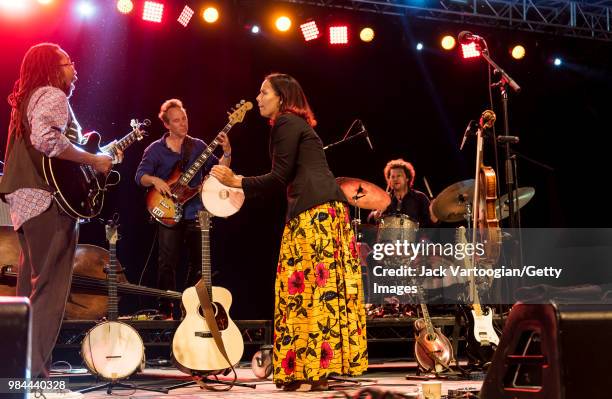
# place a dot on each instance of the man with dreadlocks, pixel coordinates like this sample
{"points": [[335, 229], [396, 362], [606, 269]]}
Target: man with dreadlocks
{"points": [[41, 124]]}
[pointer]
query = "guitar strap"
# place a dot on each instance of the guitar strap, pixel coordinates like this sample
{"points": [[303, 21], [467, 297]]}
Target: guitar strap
{"points": [[214, 330]]}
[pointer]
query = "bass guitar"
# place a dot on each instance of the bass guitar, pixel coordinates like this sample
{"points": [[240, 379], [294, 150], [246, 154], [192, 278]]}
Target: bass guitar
{"points": [[112, 350], [78, 188], [193, 346], [482, 340], [168, 209]]}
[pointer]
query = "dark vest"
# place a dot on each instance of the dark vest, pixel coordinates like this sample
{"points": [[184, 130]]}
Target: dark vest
{"points": [[23, 164]]}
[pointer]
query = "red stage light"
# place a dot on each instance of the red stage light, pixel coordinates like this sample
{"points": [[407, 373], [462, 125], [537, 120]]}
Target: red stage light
{"points": [[185, 16], [310, 30], [470, 50], [338, 34], [153, 11]]}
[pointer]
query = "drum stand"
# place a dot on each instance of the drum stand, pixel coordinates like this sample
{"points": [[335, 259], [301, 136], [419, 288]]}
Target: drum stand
{"points": [[356, 222]]}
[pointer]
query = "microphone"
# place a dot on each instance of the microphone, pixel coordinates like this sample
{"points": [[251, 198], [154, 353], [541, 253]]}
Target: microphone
{"points": [[468, 130], [466, 37], [367, 136]]}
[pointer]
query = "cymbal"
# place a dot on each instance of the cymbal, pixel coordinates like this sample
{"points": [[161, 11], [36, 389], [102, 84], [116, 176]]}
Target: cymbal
{"points": [[525, 194], [450, 204], [363, 194]]}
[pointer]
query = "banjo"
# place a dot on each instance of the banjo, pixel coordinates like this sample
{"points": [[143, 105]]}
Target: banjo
{"points": [[219, 199], [112, 350]]}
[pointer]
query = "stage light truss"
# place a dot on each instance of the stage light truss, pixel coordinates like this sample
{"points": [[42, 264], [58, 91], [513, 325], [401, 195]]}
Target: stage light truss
{"points": [[585, 19]]}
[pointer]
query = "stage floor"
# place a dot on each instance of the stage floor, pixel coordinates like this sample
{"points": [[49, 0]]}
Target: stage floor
{"points": [[382, 375]]}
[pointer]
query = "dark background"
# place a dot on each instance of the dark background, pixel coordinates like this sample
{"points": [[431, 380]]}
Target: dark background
{"points": [[414, 104]]}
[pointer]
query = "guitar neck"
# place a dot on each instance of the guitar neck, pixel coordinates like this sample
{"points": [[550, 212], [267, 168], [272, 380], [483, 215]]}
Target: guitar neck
{"points": [[112, 284], [206, 263], [202, 158], [427, 318], [128, 140], [468, 263]]}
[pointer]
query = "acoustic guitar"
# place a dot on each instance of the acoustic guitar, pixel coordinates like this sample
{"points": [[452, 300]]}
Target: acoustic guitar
{"points": [[193, 346], [78, 188], [168, 209], [112, 350]]}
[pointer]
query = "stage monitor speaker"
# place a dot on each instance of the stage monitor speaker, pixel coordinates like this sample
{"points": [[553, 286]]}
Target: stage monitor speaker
{"points": [[552, 351], [15, 344]]}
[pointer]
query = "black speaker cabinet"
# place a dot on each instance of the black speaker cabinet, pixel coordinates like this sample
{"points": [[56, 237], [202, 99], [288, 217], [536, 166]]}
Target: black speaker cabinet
{"points": [[15, 317], [553, 351]]}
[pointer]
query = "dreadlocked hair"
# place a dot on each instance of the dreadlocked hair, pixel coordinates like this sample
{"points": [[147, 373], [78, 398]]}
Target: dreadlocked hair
{"points": [[40, 67]]}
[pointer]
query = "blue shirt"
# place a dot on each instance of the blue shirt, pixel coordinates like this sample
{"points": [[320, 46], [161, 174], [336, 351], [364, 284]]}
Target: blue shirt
{"points": [[159, 160]]}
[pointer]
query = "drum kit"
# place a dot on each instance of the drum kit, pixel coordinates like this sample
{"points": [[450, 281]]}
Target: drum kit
{"points": [[452, 205]]}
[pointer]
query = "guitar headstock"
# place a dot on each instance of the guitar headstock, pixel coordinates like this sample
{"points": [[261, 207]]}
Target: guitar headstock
{"points": [[137, 127], [204, 219], [112, 234], [239, 111]]}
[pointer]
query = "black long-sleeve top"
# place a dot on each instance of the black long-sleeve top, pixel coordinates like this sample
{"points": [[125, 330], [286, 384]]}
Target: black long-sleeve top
{"points": [[299, 165], [415, 204]]}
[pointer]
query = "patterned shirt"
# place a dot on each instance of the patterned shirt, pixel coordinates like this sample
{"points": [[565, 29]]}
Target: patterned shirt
{"points": [[47, 114]]}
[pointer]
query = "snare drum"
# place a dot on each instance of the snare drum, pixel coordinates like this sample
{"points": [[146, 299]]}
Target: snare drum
{"points": [[397, 227]]}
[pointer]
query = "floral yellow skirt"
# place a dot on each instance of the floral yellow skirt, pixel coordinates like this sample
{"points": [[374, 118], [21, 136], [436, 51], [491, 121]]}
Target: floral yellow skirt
{"points": [[319, 316]]}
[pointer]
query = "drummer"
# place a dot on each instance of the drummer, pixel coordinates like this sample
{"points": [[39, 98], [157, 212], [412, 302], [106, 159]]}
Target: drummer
{"points": [[405, 200]]}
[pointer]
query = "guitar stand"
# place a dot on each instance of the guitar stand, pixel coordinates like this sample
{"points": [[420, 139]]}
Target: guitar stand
{"points": [[207, 380], [110, 385]]}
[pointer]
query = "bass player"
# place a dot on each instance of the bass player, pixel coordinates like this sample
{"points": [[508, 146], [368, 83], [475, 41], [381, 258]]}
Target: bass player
{"points": [[177, 149]]}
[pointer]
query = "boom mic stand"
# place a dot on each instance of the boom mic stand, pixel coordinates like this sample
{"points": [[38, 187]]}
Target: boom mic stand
{"points": [[510, 165], [362, 132], [506, 139]]}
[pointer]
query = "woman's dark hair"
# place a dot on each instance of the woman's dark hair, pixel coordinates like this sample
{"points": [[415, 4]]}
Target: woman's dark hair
{"points": [[292, 97]]}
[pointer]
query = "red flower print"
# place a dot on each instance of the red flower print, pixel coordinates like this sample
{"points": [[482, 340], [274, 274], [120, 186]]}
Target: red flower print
{"points": [[327, 354], [353, 248], [332, 212], [289, 362], [347, 219], [336, 254], [322, 274], [278, 268], [296, 283], [358, 330]]}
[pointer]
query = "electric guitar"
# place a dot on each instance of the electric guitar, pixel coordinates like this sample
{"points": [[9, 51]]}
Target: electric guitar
{"points": [[168, 210], [78, 188], [112, 350], [193, 346], [482, 340]]}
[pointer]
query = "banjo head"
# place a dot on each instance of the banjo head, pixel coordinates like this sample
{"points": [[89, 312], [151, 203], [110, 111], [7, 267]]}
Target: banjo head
{"points": [[219, 199], [113, 350]]}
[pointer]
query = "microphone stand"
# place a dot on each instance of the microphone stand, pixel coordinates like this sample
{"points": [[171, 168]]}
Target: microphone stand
{"points": [[510, 164], [361, 133], [511, 172]]}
